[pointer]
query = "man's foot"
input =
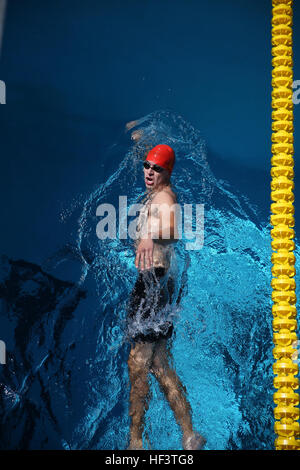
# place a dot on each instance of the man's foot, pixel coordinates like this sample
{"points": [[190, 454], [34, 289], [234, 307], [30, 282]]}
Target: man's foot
{"points": [[135, 444], [194, 442]]}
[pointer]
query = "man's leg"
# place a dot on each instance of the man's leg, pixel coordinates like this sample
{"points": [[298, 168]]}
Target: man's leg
{"points": [[175, 394], [139, 362]]}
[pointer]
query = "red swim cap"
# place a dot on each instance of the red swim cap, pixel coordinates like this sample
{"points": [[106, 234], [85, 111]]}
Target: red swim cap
{"points": [[162, 155]]}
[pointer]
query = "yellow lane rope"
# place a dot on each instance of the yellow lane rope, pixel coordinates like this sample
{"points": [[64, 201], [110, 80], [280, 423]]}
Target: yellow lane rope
{"points": [[285, 367]]}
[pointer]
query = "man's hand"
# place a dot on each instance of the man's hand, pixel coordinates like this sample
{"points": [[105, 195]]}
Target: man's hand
{"points": [[136, 135], [144, 254], [130, 125]]}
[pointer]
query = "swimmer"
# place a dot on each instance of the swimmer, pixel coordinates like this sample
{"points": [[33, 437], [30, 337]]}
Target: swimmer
{"points": [[152, 291]]}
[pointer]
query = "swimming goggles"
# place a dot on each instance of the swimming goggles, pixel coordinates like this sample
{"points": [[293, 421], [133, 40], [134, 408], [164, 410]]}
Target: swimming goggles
{"points": [[156, 168]]}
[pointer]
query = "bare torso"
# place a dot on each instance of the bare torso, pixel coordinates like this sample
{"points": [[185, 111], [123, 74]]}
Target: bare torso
{"points": [[162, 249]]}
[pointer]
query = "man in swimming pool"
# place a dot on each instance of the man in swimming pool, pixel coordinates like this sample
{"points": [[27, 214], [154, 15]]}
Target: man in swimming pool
{"points": [[151, 294]]}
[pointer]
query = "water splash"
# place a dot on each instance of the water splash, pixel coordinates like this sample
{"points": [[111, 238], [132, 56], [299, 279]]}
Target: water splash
{"points": [[222, 346]]}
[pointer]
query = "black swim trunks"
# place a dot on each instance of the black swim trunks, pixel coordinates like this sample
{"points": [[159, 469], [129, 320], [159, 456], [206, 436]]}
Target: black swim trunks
{"points": [[148, 306]]}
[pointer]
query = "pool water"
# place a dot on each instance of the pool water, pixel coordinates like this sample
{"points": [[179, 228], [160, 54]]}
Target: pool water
{"points": [[72, 389]]}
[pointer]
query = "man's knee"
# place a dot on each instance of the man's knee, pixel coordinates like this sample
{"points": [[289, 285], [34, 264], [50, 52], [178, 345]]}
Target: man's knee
{"points": [[138, 364]]}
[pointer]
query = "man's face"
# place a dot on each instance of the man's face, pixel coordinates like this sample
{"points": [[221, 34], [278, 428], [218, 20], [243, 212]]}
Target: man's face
{"points": [[153, 179]]}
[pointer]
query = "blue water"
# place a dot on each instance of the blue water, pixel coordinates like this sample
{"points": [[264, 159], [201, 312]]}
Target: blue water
{"points": [[66, 381]]}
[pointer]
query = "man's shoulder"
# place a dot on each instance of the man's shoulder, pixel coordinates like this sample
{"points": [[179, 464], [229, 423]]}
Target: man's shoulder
{"points": [[164, 195]]}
